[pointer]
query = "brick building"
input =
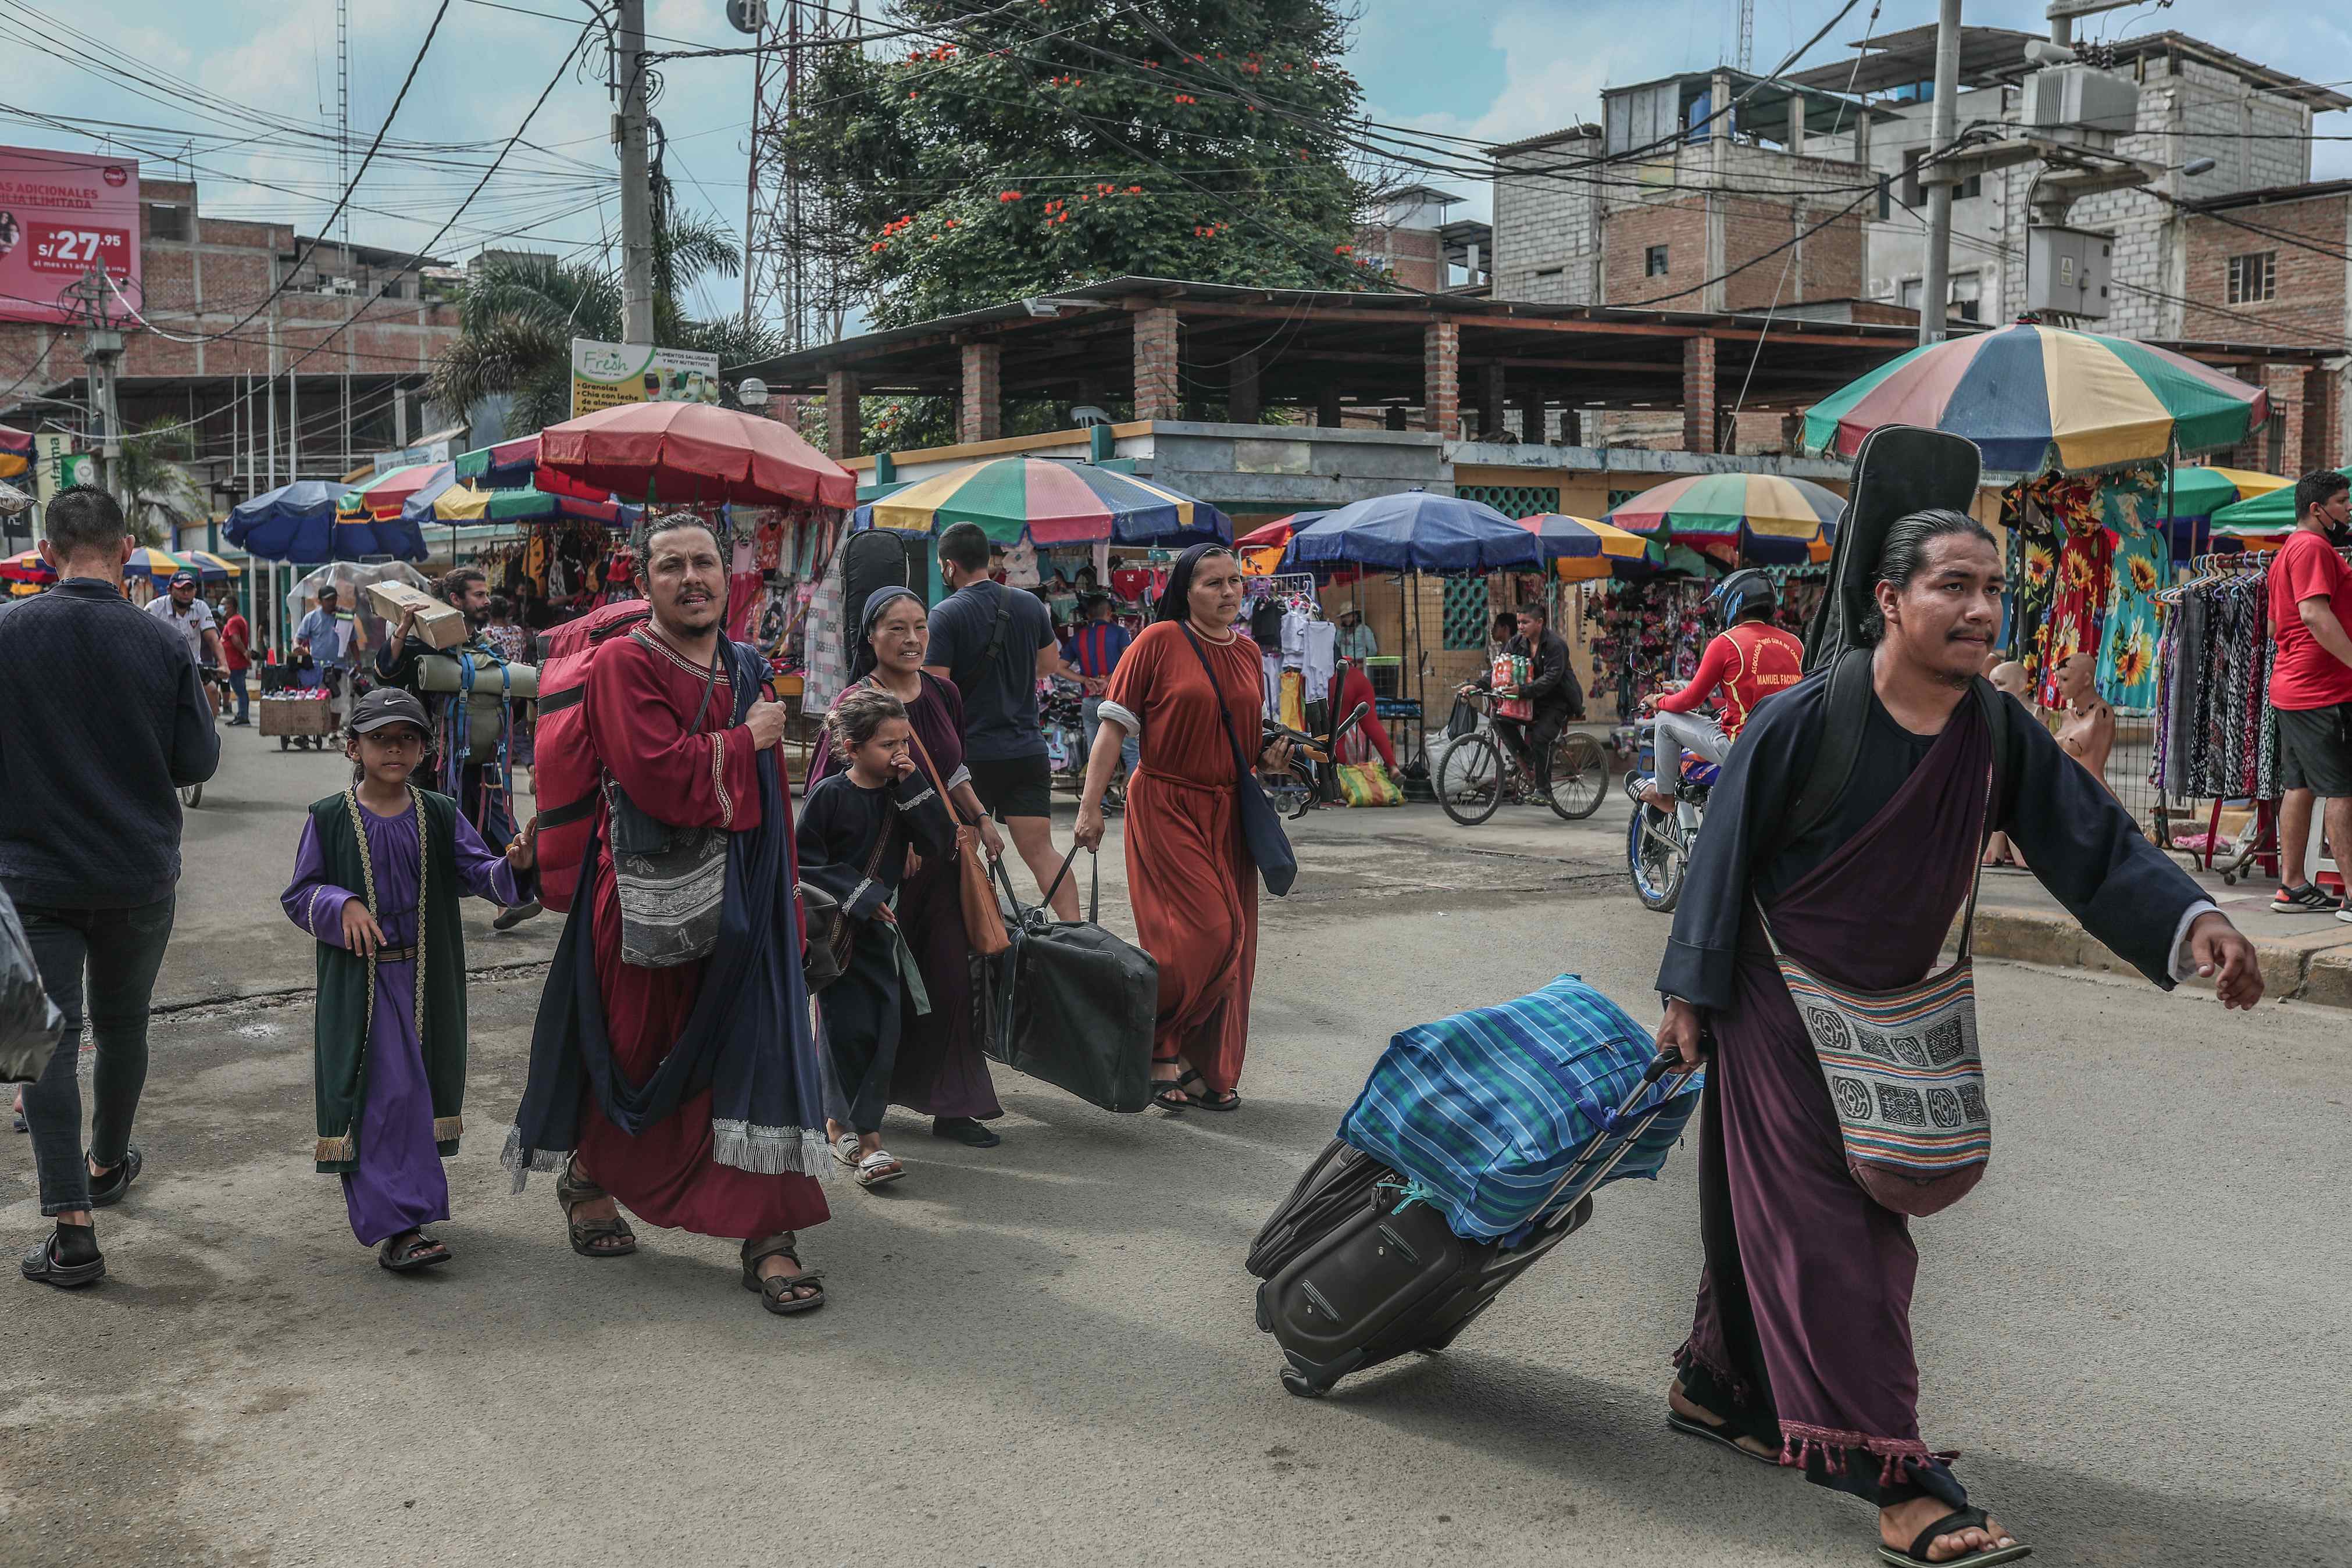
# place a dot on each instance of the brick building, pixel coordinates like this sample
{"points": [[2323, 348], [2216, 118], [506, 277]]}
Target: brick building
{"points": [[2269, 267], [1412, 241], [360, 317]]}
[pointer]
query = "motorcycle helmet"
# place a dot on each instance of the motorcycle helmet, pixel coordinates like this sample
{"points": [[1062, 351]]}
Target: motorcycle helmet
{"points": [[1739, 595]]}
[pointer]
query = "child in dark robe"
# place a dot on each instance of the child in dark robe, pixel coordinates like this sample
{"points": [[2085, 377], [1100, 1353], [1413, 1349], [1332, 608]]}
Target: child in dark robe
{"points": [[859, 830], [377, 879]]}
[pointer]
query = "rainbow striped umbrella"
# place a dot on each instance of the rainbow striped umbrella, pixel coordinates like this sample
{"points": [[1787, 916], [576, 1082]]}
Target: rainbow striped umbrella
{"points": [[1050, 503], [162, 564], [2198, 492], [383, 496], [15, 451], [2036, 398], [1582, 550], [1763, 516]]}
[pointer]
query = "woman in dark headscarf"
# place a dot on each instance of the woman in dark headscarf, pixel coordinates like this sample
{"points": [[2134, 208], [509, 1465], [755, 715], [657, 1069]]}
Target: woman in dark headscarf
{"points": [[940, 1072], [1189, 874]]}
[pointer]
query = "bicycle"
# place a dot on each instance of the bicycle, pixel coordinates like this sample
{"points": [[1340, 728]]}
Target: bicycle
{"points": [[1477, 772]]}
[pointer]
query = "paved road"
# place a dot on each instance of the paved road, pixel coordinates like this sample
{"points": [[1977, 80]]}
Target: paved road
{"points": [[1043, 1352]]}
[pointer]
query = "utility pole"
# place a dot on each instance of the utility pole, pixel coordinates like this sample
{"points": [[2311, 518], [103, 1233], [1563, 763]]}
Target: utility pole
{"points": [[101, 357], [636, 183], [1933, 307]]}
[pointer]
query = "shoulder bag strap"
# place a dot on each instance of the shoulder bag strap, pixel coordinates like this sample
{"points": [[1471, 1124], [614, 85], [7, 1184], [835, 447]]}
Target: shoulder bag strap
{"points": [[988, 656], [1240, 767], [929, 766], [1841, 742]]}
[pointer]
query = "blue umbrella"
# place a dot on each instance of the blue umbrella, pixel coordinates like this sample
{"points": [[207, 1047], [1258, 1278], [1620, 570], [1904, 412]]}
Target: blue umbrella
{"points": [[299, 522], [1416, 531]]}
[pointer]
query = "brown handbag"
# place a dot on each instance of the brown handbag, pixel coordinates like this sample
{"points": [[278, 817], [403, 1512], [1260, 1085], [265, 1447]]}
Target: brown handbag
{"points": [[983, 920]]}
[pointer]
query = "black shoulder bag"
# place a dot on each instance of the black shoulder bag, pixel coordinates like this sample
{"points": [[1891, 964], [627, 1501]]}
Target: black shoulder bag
{"points": [[1268, 845]]}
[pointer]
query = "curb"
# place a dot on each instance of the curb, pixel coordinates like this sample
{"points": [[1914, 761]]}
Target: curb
{"points": [[2294, 972]]}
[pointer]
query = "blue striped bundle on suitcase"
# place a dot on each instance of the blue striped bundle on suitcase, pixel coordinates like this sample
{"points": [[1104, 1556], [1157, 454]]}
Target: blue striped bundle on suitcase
{"points": [[1484, 1110]]}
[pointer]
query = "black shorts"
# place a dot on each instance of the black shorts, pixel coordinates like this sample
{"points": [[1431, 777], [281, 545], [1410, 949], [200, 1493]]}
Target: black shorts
{"points": [[2316, 749], [1015, 787]]}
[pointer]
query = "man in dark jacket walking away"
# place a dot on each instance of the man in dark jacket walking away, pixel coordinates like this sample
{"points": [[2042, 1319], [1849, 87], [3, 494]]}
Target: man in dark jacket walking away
{"points": [[107, 719]]}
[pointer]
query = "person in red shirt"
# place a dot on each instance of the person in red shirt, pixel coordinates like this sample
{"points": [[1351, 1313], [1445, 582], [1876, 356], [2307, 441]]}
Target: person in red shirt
{"points": [[1750, 660], [236, 654], [2311, 685]]}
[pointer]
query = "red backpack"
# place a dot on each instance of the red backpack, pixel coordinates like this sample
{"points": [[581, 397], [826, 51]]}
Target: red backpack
{"points": [[565, 772]]}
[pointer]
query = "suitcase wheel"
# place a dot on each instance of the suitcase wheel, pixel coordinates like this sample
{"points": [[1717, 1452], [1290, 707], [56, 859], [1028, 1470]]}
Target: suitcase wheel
{"points": [[1297, 1385]]}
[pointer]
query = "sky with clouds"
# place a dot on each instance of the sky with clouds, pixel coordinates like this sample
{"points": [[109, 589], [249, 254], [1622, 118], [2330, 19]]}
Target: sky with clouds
{"points": [[1488, 68]]}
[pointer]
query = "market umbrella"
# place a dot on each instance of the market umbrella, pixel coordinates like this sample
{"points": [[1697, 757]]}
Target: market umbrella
{"points": [[2035, 397], [162, 564], [1051, 503], [299, 522], [15, 451], [2198, 492], [1417, 531], [1262, 548], [1580, 549], [464, 503], [28, 567], [691, 453], [1766, 517], [383, 496], [2272, 512], [515, 466], [215, 568]]}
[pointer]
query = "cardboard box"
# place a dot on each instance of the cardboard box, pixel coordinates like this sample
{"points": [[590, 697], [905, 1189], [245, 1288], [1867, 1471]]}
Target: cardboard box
{"points": [[441, 625]]}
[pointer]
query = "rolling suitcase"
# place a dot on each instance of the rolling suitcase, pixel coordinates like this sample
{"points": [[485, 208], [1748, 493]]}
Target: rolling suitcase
{"points": [[1389, 1276]]}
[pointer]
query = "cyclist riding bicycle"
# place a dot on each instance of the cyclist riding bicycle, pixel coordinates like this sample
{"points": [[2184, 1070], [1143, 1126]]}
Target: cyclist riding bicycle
{"points": [[1749, 661], [1550, 686]]}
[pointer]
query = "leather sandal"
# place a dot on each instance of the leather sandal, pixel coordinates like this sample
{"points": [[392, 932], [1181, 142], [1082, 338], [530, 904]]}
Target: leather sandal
{"points": [[572, 1191], [777, 1292], [1953, 1523], [406, 1253], [1723, 1434]]}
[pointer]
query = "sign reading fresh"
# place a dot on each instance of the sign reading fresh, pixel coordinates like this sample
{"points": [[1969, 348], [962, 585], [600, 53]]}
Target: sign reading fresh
{"points": [[606, 375]]}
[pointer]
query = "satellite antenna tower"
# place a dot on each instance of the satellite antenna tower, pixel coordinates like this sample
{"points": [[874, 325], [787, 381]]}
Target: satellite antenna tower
{"points": [[1746, 60], [789, 272]]}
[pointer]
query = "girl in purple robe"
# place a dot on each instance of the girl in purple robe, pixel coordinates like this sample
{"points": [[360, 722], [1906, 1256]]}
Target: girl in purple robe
{"points": [[377, 879]]}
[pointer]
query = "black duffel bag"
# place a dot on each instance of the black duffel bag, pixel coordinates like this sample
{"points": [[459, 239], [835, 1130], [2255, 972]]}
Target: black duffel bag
{"points": [[1070, 1002]]}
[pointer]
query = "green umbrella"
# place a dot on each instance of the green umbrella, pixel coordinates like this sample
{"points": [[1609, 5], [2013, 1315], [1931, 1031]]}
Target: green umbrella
{"points": [[2270, 514]]}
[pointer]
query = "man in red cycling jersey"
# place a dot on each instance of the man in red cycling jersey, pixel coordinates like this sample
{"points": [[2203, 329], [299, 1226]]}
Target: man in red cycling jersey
{"points": [[1750, 660]]}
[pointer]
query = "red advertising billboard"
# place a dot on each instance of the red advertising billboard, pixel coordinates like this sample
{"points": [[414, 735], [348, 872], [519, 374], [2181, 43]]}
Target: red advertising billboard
{"points": [[61, 212]]}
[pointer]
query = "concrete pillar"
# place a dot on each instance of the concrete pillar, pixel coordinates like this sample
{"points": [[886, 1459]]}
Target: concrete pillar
{"points": [[1327, 405], [1241, 394], [1698, 393], [1718, 93], [1571, 427], [2285, 445], [1157, 391], [2323, 418], [843, 429], [983, 410], [1441, 376], [1492, 396], [1531, 416]]}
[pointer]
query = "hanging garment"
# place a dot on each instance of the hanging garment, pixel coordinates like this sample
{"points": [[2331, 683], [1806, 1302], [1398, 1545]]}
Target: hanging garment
{"points": [[2127, 675], [2078, 610]]}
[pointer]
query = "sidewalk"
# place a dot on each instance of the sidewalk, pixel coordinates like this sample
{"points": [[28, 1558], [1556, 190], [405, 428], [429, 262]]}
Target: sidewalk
{"points": [[2304, 957]]}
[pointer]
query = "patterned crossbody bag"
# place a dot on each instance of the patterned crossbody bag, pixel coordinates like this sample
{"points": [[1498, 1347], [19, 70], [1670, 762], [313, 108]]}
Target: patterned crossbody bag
{"points": [[1904, 1072]]}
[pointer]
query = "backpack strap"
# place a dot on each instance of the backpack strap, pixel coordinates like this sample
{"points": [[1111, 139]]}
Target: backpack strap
{"points": [[1841, 744]]}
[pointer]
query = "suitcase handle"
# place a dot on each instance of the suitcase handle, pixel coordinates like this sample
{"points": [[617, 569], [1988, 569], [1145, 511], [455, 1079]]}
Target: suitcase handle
{"points": [[1665, 1064]]}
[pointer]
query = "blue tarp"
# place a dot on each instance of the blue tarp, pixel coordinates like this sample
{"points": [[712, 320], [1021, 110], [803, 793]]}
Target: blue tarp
{"points": [[297, 522], [1416, 531]]}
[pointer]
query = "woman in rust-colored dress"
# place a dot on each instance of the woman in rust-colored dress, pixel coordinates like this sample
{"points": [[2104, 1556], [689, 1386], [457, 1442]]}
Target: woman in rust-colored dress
{"points": [[1189, 876]]}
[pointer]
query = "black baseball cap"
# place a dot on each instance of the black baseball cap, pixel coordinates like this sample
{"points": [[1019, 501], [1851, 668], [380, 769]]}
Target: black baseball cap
{"points": [[388, 704]]}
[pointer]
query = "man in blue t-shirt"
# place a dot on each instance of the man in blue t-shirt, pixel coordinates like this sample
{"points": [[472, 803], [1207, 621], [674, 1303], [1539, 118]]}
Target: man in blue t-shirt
{"points": [[994, 643], [1093, 651]]}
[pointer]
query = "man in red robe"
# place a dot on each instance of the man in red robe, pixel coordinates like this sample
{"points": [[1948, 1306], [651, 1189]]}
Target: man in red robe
{"points": [[627, 1084]]}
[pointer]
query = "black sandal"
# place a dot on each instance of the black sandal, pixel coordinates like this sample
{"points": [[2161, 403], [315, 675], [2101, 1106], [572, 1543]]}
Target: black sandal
{"points": [[1722, 1434], [1161, 1088], [43, 1265], [572, 1191], [777, 1291], [1953, 1523], [1229, 1100], [411, 1250]]}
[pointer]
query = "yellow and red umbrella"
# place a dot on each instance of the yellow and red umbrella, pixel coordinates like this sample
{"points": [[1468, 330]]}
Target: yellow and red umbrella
{"points": [[28, 567], [1767, 519]]}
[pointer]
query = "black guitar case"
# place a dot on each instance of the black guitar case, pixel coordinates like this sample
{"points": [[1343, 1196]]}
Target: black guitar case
{"points": [[1900, 469], [877, 558]]}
